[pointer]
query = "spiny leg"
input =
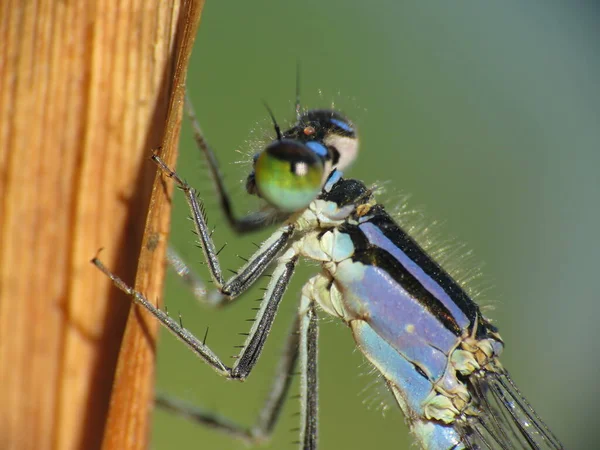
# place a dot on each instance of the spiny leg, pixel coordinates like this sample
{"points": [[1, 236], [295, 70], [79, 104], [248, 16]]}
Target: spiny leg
{"points": [[255, 266], [302, 341], [309, 332], [270, 411], [193, 282], [189, 277], [261, 328], [229, 290], [251, 222]]}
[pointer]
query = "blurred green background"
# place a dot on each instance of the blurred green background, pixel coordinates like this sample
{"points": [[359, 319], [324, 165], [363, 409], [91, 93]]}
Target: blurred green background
{"points": [[488, 114]]}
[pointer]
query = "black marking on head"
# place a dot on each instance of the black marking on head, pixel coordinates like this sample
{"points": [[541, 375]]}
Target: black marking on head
{"points": [[291, 151], [326, 121], [317, 125]]}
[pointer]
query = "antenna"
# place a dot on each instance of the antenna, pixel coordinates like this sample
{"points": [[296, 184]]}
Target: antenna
{"points": [[275, 124], [298, 90]]}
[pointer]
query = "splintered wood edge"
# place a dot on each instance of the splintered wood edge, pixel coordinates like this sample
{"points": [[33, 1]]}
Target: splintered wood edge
{"points": [[132, 400]]}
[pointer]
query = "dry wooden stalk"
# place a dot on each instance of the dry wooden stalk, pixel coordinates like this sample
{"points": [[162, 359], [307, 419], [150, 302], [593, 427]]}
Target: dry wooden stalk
{"points": [[85, 91]]}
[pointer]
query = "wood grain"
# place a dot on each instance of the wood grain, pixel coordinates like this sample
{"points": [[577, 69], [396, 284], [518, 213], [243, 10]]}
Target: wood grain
{"points": [[87, 89]]}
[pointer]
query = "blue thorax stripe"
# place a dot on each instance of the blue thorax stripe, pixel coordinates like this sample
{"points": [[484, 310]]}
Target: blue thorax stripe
{"points": [[379, 241]]}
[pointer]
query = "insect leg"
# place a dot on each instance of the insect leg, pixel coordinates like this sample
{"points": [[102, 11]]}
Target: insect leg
{"points": [[270, 411], [190, 278], [252, 222], [253, 346], [257, 263], [309, 331]]}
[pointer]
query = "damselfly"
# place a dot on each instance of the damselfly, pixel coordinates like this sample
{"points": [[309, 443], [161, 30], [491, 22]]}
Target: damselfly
{"points": [[418, 327]]}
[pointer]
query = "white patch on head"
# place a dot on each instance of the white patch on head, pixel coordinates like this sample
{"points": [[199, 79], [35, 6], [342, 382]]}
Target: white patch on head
{"points": [[346, 146]]}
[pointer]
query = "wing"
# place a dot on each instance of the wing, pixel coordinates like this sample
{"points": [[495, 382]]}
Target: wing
{"points": [[507, 420]]}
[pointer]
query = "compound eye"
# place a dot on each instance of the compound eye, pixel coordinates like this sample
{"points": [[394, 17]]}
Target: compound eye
{"points": [[288, 175]]}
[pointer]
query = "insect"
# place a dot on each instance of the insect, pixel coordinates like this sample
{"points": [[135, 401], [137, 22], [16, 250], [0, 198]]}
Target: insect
{"points": [[416, 325]]}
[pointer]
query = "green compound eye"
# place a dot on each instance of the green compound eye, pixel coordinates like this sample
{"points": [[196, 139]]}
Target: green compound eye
{"points": [[288, 175]]}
